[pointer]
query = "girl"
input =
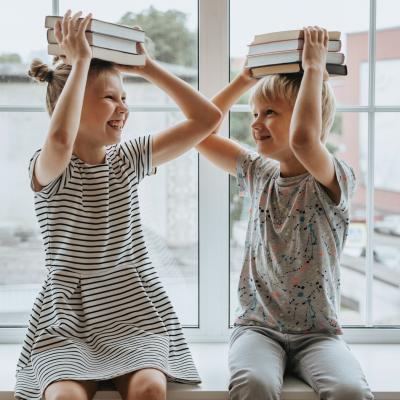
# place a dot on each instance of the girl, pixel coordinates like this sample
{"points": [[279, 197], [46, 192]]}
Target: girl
{"points": [[102, 312]]}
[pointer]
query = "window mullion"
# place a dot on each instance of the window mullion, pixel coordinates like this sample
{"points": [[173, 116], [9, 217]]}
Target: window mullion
{"points": [[371, 152]]}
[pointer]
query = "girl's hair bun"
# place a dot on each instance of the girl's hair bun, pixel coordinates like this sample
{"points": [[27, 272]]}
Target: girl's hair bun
{"points": [[40, 71]]}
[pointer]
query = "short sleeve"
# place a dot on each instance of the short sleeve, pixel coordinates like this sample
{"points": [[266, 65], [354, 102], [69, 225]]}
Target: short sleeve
{"points": [[54, 186], [347, 183], [250, 167], [138, 152]]}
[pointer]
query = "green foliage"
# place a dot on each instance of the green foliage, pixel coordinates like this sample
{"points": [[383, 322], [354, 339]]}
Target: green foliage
{"points": [[337, 127], [10, 58], [168, 38]]}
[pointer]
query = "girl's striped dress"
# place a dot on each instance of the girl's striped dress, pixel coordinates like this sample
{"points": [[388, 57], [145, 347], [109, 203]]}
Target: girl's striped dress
{"points": [[102, 311]]}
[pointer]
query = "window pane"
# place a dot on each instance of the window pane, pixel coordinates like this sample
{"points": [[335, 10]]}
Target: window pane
{"points": [[288, 15], [344, 143], [387, 54], [168, 200], [20, 44], [386, 290]]}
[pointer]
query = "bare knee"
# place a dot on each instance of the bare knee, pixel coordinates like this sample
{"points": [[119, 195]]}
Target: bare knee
{"points": [[149, 390], [67, 390]]}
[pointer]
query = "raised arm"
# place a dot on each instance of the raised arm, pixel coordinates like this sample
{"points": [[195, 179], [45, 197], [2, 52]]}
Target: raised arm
{"points": [[57, 149], [306, 122], [221, 151], [201, 116]]}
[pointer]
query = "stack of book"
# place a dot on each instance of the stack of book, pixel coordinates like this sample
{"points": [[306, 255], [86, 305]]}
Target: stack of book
{"points": [[108, 41], [281, 53]]}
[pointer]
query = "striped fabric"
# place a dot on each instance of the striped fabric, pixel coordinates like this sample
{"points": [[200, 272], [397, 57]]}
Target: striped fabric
{"points": [[102, 311]]}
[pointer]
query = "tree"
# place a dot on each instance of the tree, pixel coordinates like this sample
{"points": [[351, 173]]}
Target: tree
{"points": [[10, 58], [167, 37]]}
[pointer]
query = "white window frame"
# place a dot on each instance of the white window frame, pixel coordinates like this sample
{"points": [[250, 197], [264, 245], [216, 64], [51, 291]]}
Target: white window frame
{"points": [[214, 188]]}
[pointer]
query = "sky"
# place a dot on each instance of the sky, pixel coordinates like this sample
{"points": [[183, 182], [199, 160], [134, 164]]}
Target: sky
{"points": [[248, 17]]}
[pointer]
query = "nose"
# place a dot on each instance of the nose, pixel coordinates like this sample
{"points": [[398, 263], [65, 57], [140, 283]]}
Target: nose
{"points": [[122, 108], [256, 124]]}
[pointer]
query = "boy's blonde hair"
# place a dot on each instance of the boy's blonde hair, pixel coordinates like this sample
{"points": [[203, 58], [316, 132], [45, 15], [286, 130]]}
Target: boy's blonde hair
{"points": [[57, 77], [286, 87]]}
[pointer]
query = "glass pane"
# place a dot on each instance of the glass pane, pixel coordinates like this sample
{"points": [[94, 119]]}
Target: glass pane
{"points": [[20, 44], [171, 30], [288, 15], [344, 142], [168, 205], [386, 289], [387, 54]]}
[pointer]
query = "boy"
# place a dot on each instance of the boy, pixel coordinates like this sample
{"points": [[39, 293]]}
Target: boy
{"points": [[298, 223]]}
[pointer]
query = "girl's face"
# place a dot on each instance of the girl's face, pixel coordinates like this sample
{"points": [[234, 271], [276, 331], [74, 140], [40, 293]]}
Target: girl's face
{"points": [[104, 111], [270, 128]]}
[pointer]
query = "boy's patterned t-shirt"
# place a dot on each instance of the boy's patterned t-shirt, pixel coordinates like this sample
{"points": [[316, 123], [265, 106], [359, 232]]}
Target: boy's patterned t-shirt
{"points": [[290, 279]]}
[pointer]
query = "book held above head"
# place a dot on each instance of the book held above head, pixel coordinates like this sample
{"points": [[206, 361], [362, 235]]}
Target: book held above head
{"points": [[104, 27], [108, 41], [282, 53]]}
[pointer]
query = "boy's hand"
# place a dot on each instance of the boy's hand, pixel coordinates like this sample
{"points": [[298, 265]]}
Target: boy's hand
{"points": [[315, 49], [70, 35], [246, 73], [141, 70]]}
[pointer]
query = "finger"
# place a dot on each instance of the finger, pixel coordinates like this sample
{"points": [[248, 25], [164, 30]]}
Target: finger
{"points": [[84, 24], [320, 34], [326, 37], [64, 24], [57, 31], [73, 23], [306, 35]]}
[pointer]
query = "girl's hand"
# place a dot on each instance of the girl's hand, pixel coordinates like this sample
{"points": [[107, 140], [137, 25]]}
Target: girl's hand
{"points": [[315, 48], [141, 70], [70, 35]]}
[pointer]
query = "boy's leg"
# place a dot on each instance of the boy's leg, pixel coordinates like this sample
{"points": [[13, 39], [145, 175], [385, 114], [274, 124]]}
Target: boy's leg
{"points": [[257, 364], [327, 364]]}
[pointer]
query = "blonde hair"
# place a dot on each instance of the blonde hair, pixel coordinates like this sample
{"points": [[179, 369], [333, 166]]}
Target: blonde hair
{"points": [[57, 77], [286, 87]]}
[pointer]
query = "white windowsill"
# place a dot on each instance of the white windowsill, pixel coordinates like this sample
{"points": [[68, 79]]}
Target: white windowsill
{"points": [[380, 363]]}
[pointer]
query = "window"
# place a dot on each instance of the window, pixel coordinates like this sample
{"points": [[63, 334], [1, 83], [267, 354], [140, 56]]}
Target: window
{"points": [[195, 233]]}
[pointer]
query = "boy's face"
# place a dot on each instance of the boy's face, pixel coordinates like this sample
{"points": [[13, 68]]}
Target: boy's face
{"points": [[104, 111], [270, 128]]}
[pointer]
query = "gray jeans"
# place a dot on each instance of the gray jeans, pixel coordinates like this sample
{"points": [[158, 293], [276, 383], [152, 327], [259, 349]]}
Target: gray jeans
{"points": [[258, 358]]}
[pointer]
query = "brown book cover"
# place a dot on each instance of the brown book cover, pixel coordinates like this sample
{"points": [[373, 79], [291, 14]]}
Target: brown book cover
{"points": [[259, 72]]}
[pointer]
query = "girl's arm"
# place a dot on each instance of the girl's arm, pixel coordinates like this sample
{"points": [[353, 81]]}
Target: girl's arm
{"points": [[221, 151], [57, 149], [306, 122], [202, 116]]}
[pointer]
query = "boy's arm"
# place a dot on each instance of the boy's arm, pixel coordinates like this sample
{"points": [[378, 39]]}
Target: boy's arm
{"points": [[221, 151], [306, 123], [202, 116]]}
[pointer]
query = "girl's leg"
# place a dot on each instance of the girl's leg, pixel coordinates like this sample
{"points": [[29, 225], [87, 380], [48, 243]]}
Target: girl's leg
{"points": [[257, 364], [70, 390], [327, 364], [145, 384]]}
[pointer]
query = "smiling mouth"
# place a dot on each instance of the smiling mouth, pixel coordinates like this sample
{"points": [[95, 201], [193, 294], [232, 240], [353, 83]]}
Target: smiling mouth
{"points": [[261, 138], [116, 124]]}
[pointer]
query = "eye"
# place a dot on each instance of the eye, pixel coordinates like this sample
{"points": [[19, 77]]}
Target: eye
{"points": [[255, 115], [269, 112], [124, 99], [108, 97]]}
